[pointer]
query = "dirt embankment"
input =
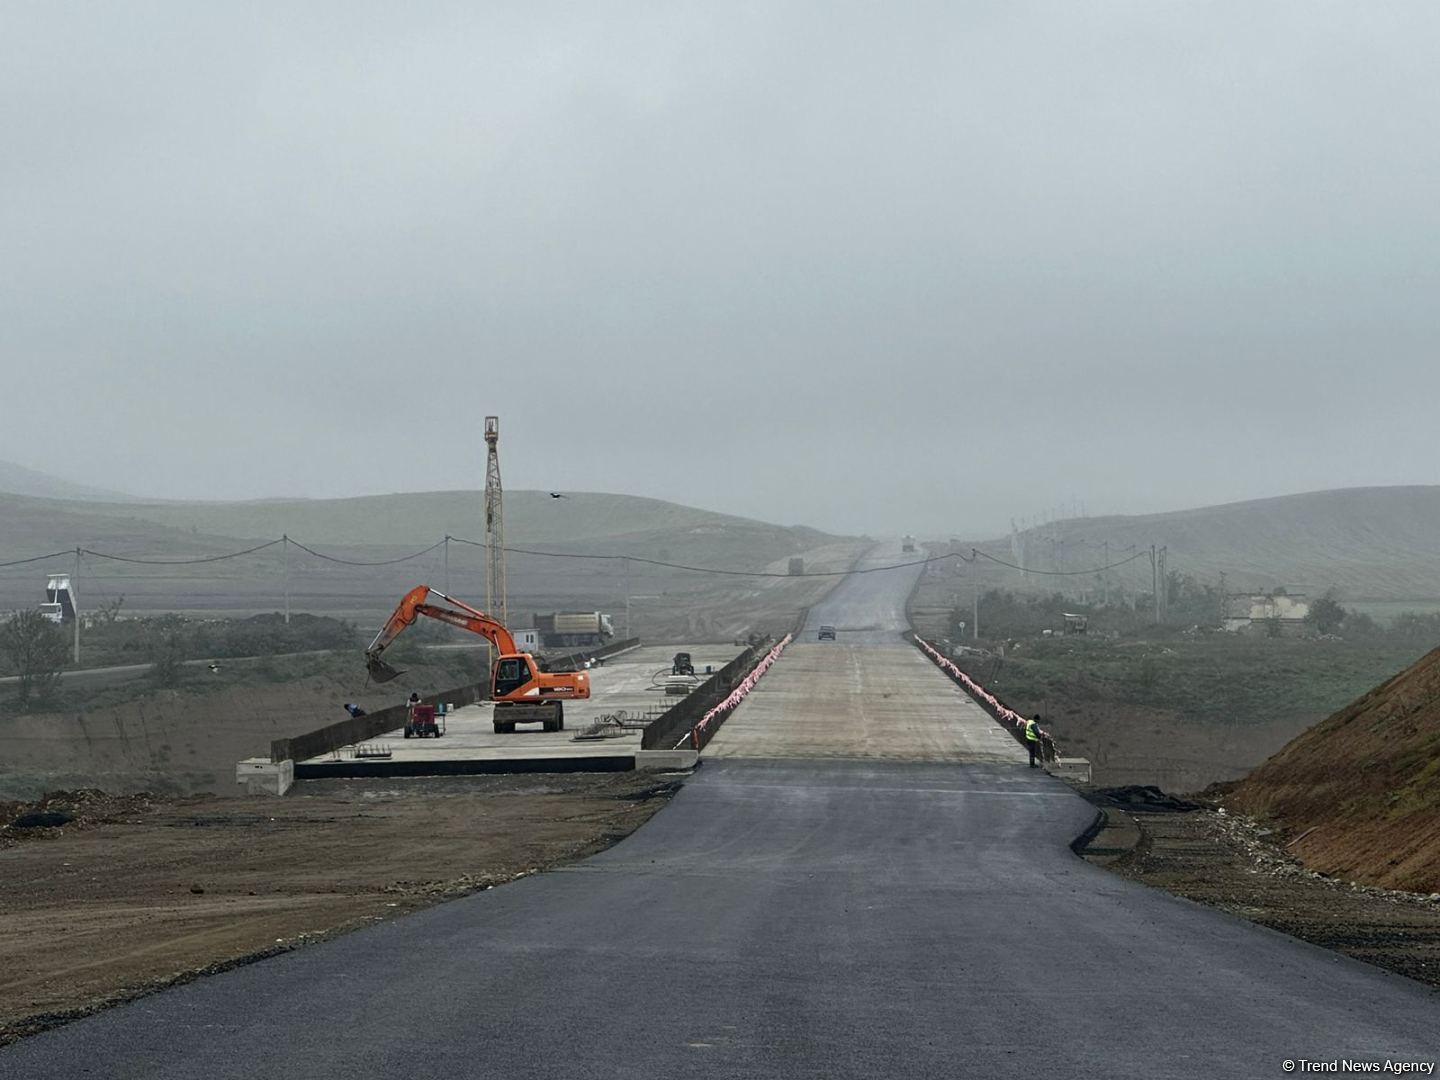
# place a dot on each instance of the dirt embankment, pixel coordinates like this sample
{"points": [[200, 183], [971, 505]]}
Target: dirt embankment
{"points": [[1358, 795], [188, 740], [118, 897], [1230, 862]]}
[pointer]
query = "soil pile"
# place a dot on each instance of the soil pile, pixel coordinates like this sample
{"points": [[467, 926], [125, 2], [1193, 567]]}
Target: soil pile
{"points": [[1359, 793], [58, 811]]}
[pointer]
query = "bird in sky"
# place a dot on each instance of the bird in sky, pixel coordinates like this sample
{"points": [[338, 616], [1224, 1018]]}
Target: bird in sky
{"points": [[557, 495]]}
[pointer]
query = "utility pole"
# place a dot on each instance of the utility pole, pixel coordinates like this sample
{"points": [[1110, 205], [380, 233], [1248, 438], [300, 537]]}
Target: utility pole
{"points": [[1224, 601], [1155, 582], [627, 597], [1164, 587], [975, 593], [285, 572], [75, 603], [1105, 574]]}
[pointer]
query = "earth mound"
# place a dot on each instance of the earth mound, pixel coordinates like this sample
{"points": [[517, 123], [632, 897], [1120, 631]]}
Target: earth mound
{"points": [[1359, 793]]}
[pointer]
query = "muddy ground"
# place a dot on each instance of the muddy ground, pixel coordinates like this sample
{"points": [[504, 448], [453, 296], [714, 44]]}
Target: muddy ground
{"points": [[1229, 862], [136, 893]]}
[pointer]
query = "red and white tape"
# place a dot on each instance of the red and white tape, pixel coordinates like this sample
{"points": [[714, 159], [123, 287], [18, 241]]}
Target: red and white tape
{"points": [[737, 695]]}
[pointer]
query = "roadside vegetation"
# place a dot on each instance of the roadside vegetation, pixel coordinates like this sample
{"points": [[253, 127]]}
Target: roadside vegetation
{"points": [[1203, 678], [202, 655], [1182, 704]]}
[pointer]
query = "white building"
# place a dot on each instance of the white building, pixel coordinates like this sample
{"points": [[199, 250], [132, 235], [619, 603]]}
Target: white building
{"points": [[1248, 611]]}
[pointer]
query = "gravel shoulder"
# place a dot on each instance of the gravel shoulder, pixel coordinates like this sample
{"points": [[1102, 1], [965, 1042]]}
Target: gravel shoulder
{"points": [[137, 893], [1227, 861]]}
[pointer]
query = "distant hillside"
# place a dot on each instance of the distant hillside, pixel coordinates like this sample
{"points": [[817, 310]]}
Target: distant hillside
{"points": [[407, 520], [1370, 543], [18, 480], [1360, 792], [373, 529]]}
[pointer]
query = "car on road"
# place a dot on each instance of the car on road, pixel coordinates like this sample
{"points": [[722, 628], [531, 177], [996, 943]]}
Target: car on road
{"points": [[827, 633]]}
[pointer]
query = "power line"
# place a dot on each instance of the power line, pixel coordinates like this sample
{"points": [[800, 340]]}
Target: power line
{"points": [[509, 550], [363, 562], [712, 569], [38, 558], [1062, 573], [180, 562]]}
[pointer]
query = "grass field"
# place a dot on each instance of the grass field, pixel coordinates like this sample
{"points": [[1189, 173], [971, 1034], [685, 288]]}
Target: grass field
{"points": [[1371, 544], [1183, 712]]}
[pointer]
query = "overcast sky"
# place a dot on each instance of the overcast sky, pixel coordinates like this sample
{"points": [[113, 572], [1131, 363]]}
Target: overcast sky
{"points": [[876, 267]]}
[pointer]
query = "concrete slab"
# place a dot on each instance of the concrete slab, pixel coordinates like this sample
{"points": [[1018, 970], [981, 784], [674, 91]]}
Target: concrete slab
{"points": [[632, 683], [1070, 768], [882, 702], [261, 776]]}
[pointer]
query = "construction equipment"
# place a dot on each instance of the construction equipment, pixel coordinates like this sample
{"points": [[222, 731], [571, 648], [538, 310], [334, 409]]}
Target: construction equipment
{"points": [[682, 664], [494, 524], [424, 722], [523, 691], [59, 606], [574, 629]]}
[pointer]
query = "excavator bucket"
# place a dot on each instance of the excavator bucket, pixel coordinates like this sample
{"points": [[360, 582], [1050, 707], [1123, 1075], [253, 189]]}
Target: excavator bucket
{"points": [[380, 671]]}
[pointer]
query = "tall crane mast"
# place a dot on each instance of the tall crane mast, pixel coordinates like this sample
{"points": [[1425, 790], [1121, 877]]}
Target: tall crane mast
{"points": [[494, 526]]}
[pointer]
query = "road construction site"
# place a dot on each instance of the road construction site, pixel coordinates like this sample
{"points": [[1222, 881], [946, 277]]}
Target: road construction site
{"points": [[601, 733], [845, 887]]}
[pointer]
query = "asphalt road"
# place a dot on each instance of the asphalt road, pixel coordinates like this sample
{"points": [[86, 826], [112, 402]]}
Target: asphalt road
{"points": [[786, 919], [783, 920], [868, 608]]}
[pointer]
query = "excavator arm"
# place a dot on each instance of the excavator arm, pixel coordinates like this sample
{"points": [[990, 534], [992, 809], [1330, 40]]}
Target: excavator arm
{"points": [[416, 603]]}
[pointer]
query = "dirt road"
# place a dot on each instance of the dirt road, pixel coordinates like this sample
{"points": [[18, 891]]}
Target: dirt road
{"points": [[139, 893]]}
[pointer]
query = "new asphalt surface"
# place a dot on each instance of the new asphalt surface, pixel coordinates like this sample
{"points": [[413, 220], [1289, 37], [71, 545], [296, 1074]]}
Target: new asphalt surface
{"points": [[835, 918]]}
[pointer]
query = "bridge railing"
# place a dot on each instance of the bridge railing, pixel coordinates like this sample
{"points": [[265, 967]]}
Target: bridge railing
{"points": [[692, 722], [1007, 717]]}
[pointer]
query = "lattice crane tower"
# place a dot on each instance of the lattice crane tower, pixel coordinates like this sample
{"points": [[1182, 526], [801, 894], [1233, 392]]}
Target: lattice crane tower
{"points": [[495, 604]]}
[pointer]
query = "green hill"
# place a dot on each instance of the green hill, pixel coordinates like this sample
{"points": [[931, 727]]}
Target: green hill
{"points": [[370, 529], [414, 519], [19, 480], [1370, 543]]}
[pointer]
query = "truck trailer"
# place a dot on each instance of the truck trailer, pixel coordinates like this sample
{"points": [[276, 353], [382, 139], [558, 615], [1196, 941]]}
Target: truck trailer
{"points": [[574, 629]]}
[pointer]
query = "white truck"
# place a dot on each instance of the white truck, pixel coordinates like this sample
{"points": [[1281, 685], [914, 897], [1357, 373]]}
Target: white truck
{"points": [[574, 629], [59, 605]]}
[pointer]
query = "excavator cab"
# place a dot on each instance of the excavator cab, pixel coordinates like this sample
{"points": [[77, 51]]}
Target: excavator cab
{"points": [[511, 673]]}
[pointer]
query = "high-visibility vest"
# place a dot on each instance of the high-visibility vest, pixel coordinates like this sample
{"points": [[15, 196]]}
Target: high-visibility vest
{"points": [[1032, 731]]}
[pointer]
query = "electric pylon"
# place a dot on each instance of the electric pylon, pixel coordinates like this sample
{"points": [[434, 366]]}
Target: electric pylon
{"points": [[495, 604]]}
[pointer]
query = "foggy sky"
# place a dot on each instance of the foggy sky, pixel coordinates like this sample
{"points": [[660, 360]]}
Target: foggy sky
{"points": [[866, 266]]}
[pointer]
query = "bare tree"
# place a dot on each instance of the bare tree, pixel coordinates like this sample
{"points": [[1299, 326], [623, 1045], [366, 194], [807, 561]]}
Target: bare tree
{"points": [[37, 649]]}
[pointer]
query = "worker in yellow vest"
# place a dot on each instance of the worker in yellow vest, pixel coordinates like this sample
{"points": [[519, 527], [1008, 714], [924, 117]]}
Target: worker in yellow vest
{"points": [[1032, 739]]}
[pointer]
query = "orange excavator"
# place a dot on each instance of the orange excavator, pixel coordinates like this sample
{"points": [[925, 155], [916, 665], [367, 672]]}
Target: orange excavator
{"points": [[523, 691]]}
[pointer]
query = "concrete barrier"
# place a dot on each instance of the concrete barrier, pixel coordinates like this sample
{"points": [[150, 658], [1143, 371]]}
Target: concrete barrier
{"points": [[1070, 768], [670, 726], [261, 776], [666, 759], [356, 729]]}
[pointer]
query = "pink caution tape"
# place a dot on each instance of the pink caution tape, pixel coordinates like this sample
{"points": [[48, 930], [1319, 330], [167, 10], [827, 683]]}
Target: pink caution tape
{"points": [[738, 694], [1002, 711]]}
